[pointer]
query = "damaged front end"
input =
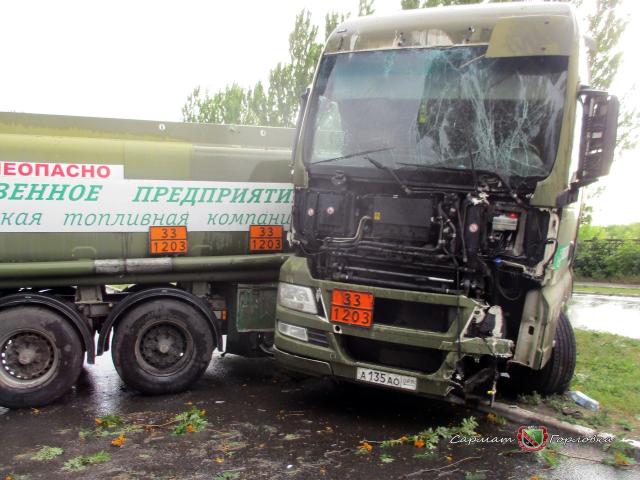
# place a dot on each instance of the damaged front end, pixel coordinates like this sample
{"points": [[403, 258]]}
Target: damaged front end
{"points": [[420, 166], [448, 272]]}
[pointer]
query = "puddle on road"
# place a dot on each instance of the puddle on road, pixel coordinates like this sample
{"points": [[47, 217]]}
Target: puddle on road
{"points": [[604, 313]]}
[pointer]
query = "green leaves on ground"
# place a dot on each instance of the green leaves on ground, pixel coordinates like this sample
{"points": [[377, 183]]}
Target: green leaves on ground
{"points": [[110, 425], [619, 454], [475, 476], [47, 453], [82, 462], [193, 420], [550, 455], [386, 458], [427, 439], [534, 398]]}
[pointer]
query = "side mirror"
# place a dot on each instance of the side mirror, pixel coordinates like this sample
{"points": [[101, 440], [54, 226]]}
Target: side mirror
{"points": [[598, 138]]}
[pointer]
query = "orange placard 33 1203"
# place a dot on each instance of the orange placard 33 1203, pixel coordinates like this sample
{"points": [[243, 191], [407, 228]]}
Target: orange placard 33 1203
{"points": [[168, 240], [351, 307], [265, 238]]}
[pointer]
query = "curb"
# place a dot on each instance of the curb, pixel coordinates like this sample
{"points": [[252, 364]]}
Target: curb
{"points": [[520, 415]]}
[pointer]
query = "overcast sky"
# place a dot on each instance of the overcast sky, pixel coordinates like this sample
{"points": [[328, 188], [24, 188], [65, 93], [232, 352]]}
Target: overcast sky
{"points": [[141, 58]]}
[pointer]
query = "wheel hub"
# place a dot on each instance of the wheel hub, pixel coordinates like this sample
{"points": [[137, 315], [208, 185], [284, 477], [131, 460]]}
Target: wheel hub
{"points": [[163, 346], [27, 356]]}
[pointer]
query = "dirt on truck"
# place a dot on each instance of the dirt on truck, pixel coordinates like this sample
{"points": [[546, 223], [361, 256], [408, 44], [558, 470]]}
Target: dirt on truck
{"points": [[153, 240], [438, 166]]}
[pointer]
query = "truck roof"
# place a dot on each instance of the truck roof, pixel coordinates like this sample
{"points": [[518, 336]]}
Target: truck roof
{"points": [[438, 26]]}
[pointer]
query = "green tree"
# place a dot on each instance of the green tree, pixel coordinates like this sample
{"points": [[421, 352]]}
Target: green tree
{"points": [[276, 101], [409, 4], [606, 26], [331, 21], [365, 7]]}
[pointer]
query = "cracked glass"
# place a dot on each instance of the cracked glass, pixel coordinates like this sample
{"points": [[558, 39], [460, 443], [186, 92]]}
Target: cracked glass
{"points": [[447, 107]]}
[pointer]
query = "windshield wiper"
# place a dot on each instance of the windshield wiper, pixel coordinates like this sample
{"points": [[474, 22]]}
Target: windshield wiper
{"points": [[351, 155], [495, 175], [392, 172]]}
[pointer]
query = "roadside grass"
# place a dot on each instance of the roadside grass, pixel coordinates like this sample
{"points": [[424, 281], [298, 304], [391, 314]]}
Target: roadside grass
{"points": [[607, 369], [605, 290]]}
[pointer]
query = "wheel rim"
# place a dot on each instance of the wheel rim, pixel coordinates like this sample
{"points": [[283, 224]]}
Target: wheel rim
{"points": [[164, 348], [28, 358]]}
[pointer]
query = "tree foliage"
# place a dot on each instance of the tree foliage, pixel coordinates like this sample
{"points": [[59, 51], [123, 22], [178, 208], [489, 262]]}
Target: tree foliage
{"points": [[365, 7], [275, 102], [603, 259], [609, 252]]}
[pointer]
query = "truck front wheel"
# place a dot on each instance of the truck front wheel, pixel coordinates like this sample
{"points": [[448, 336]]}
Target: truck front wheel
{"points": [[40, 356], [556, 375], [162, 346]]}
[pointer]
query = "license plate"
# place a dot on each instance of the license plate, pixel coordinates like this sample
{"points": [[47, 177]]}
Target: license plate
{"points": [[385, 378], [265, 238], [351, 307], [168, 240]]}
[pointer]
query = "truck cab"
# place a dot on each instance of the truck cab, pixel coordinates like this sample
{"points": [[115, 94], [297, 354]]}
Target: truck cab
{"points": [[438, 164]]}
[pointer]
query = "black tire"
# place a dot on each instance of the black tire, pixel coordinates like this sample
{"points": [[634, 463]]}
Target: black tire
{"points": [[162, 346], [41, 356], [556, 375]]}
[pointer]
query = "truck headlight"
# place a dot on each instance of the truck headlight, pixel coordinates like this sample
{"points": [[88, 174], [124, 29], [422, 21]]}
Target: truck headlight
{"points": [[297, 297], [294, 331]]}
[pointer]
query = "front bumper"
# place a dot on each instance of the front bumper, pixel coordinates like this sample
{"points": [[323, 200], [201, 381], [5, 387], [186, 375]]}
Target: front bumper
{"points": [[335, 358]]}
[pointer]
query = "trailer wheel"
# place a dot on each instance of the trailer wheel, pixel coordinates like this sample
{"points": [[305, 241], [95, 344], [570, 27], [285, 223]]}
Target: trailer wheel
{"points": [[40, 356], [162, 346]]}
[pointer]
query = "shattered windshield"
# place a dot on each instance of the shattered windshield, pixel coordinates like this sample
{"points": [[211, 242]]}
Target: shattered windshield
{"points": [[439, 107]]}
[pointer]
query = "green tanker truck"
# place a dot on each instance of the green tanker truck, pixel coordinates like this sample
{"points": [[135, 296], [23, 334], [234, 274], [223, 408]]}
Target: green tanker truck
{"points": [[438, 166], [188, 220]]}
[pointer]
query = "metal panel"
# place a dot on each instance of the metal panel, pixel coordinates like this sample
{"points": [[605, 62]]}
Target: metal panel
{"points": [[256, 307]]}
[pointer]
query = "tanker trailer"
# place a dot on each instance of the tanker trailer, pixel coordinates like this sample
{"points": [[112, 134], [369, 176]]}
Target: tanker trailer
{"points": [[188, 220]]}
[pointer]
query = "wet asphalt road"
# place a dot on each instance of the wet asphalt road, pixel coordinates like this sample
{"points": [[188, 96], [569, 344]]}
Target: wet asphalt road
{"points": [[263, 424], [606, 313]]}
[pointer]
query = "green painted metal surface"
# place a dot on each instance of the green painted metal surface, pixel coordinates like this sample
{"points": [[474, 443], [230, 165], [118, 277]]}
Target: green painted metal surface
{"points": [[256, 307], [158, 155]]}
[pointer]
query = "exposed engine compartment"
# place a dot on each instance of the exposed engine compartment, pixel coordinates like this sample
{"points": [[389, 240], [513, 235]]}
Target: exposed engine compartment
{"points": [[478, 243]]}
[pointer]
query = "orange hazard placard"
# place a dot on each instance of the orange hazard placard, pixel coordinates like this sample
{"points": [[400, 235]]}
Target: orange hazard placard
{"points": [[168, 240], [354, 308], [265, 238]]}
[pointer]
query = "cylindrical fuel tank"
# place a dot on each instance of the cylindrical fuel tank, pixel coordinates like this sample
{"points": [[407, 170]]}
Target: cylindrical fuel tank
{"points": [[77, 188]]}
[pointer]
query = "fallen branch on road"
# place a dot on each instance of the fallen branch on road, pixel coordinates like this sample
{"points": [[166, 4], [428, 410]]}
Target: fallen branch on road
{"points": [[438, 469]]}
